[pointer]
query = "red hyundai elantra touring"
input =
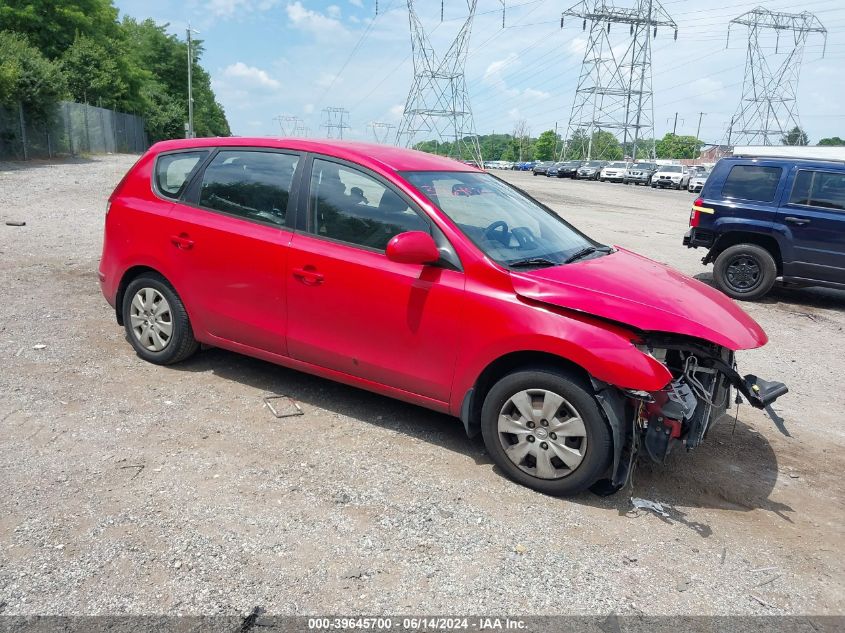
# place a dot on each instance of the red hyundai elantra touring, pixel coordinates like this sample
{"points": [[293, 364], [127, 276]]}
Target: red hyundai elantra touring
{"points": [[427, 280]]}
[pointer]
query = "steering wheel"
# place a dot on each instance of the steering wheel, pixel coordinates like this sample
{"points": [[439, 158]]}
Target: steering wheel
{"points": [[525, 237], [498, 231]]}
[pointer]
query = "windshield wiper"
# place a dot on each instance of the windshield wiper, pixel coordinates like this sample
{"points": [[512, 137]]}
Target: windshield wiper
{"points": [[589, 250], [532, 261]]}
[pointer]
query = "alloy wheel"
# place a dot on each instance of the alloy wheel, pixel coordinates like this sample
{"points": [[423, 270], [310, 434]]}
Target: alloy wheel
{"points": [[743, 273], [542, 433], [151, 319]]}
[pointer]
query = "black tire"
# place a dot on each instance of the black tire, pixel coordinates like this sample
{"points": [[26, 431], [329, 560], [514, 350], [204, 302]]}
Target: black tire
{"points": [[181, 343], [598, 453], [745, 271]]}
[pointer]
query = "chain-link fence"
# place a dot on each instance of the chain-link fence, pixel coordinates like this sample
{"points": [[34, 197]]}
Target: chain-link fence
{"points": [[72, 129]]}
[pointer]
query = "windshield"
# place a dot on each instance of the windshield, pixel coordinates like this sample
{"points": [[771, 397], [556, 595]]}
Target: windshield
{"points": [[617, 165], [594, 163], [504, 223], [644, 166], [671, 168]]}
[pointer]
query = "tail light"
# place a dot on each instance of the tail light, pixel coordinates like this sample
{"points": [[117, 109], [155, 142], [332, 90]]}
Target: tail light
{"points": [[695, 213]]}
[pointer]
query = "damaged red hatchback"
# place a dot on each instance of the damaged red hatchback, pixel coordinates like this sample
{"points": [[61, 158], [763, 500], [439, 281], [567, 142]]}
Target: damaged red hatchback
{"points": [[427, 280]]}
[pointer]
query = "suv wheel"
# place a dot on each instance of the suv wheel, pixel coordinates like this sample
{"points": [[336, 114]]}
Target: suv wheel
{"points": [[745, 271], [156, 322], [545, 431]]}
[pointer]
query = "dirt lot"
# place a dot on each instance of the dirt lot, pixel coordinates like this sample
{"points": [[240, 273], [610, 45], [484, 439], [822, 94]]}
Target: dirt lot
{"points": [[132, 488]]}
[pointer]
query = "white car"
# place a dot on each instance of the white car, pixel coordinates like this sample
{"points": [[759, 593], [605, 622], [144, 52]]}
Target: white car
{"points": [[675, 176], [613, 172], [697, 180]]}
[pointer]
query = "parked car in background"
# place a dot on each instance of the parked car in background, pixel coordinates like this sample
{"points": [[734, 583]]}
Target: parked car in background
{"points": [[541, 168], [590, 170], [763, 218], [613, 172], [639, 173], [697, 180], [566, 355], [674, 176], [569, 169], [552, 171], [525, 165]]}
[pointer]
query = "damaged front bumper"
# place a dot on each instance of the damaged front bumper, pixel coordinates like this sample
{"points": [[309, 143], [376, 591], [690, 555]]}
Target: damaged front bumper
{"points": [[681, 413]]}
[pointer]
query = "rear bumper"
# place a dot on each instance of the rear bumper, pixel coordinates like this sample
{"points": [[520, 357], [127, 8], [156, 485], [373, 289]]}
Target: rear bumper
{"points": [[699, 238]]}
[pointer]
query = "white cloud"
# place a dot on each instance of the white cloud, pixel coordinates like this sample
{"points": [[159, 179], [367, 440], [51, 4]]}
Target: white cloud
{"points": [[308, 108], [577, 45], [397, 111], [357, 3], [494, 70], [333, 11], [313, 21], [234, 8], [250, 76]]}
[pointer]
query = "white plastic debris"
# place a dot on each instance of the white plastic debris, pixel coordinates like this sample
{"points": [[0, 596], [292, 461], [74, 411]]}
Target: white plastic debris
{"points": [[645, 504]]}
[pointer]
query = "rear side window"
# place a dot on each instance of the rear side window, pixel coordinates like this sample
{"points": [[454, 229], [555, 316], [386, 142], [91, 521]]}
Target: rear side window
{"points": [[752, 182], [819, 189], [174, 170], [253, 185]]}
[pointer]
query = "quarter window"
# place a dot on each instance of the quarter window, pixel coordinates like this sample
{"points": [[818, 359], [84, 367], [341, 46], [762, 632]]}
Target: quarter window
{"points": [[819, 189], [752, 182], [350, 206], [249, 184], [174, 170]]}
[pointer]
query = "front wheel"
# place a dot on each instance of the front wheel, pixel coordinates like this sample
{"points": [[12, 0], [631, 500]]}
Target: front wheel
{"points": [[543, 428], [745, 271]]}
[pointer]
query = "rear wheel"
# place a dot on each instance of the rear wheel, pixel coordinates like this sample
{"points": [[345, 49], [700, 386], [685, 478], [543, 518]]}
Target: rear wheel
{"points": [[543, 428], [745, 271], [156, 321]]}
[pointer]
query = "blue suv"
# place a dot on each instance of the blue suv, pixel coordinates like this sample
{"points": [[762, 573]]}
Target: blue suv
{"points": [[767, 218]]}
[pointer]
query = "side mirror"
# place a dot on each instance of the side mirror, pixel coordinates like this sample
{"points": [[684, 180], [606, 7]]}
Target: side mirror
{"points": [[412, 247]]}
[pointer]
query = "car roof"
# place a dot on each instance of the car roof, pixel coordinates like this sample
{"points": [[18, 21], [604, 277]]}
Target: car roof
{"points": [[806, 162], [367, 154]]}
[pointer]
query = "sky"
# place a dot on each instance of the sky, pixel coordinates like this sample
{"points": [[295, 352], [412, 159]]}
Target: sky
{"points": [[271, 58]]}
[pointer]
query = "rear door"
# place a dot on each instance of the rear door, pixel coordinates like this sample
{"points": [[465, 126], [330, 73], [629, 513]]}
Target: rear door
{"points": [[813, 215], [229, 240]]}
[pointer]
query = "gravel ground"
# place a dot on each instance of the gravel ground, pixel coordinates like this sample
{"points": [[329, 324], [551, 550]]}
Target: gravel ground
{"points": [[135, 489]]}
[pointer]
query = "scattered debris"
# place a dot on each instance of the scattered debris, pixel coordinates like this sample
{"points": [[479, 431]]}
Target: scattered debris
{"points": [[683, 585], [520, 549], [645, 504], [139, 468], [39, 346], [724, 553], [15, 223], [757, 571], [288, 412], [767, 582], [794, 475], [763, 602], [177, 564]]}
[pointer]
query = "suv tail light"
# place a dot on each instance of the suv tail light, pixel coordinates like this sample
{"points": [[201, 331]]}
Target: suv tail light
{"points": [[695, 213]]}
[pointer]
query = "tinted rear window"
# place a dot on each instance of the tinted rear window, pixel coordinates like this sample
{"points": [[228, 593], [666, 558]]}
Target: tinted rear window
{"points": [[174, 170], [819, 189], [752, 182]]}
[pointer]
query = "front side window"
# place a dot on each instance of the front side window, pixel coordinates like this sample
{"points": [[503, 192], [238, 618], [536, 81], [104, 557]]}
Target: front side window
{"points": [[752, 182], [174, 170], [350, 206], [254, 185], [505, 224], [819, 189]]}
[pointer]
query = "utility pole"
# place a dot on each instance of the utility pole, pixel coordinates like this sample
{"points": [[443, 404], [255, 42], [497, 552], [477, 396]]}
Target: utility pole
{"points": [[438, 102], [768, 108], [190, 130], [675, 126], [698, 129], [614, 91]]}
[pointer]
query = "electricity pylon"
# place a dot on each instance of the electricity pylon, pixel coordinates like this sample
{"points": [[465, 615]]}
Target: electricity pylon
{"points": [[438, 105], [381, 132], [614, 89], [335, 121], [291, 125], [768, 109]]}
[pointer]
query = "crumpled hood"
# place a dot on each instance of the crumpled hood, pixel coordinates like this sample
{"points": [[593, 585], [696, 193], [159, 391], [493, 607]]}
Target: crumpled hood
{"points": [[631, 289]]}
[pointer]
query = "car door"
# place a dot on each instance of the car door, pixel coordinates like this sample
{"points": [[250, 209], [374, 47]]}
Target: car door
{"points": [[352, 310], [229, 237], [813, 215]]}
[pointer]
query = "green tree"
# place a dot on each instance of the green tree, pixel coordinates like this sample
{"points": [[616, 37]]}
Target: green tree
{"points": [[52, 27], [93, 76], [832, 140], [544, 147], [674, 146], [795, 136], [27, 77]]}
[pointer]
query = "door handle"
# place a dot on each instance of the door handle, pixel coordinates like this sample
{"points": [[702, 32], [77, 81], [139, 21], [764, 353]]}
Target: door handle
{"points": [[182, 241], [308, 275], [798, 221]]}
